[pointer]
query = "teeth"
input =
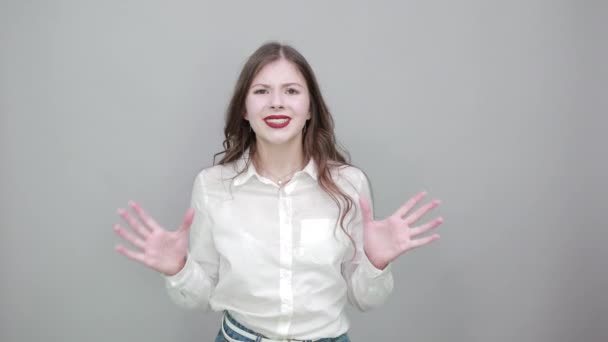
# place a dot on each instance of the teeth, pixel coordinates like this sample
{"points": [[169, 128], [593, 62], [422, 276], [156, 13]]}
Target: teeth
{"points": [[277, 121]]}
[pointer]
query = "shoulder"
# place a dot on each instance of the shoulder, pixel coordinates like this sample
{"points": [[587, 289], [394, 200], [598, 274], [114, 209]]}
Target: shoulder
{"points": [[349, 176], [217, 175], [212, 184]]}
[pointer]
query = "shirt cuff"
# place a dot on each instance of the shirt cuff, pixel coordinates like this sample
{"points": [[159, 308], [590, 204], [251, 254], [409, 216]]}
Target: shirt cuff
{"points": [[181, 277], [371, 270]]}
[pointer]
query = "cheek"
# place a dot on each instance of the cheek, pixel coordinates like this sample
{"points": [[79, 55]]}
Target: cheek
{"points": [[301, 105], [253, 105]]}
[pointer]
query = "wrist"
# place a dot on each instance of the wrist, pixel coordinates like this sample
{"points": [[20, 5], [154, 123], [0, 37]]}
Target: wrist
{"points": [[179, 266], [379, 264]]}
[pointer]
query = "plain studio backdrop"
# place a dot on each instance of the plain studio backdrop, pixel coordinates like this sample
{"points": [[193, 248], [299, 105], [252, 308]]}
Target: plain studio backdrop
{"points": [[496, 108]]}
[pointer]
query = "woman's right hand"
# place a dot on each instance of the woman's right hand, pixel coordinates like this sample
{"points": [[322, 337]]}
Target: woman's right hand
{"points": [[162, 250]]}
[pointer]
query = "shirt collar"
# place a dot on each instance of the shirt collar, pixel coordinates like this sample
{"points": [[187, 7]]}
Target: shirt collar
{"points": [[244, 163]]}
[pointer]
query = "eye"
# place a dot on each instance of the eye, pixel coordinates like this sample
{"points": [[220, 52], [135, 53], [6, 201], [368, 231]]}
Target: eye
{"points": [[292, 91], [259, 91]]}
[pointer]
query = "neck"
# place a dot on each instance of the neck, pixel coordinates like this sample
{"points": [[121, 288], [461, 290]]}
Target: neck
{"points": [[279, 160]]}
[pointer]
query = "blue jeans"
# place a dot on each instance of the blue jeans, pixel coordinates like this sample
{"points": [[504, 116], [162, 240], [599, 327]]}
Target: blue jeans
{"points": [[235, 335]]}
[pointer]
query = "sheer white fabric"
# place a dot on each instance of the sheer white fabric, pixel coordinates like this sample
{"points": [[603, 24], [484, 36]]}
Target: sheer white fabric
{"points": [[276, 258]]}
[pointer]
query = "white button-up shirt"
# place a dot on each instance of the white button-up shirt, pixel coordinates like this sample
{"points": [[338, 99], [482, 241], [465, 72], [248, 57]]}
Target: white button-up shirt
{"points": [[275, 257]]}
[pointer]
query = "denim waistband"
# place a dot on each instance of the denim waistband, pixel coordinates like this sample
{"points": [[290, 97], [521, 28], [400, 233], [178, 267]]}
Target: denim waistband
{"points": [[235, 334], [238, 336]]}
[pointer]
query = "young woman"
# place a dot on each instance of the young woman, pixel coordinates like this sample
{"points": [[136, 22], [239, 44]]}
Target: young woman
{"points": [[281, 232]]}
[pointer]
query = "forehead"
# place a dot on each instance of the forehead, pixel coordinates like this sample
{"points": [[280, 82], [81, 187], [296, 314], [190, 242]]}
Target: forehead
{"points": [[279, 72]]}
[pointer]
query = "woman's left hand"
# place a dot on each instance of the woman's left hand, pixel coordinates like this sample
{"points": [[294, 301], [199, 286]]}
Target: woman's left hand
{"points": [[384, 240]]}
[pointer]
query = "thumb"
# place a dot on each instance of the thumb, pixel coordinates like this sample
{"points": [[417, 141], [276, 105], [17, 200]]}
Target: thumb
{"points": [[188, 218], [366, 210]]}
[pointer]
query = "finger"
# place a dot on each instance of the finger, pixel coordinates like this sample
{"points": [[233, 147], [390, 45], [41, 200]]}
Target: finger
{"points": [[137, 242], [425, 227], [145, 218], [421, 211], [405, 208], [137, 227], [139, 257], [188, 218], [366, 211], [424, 241]]}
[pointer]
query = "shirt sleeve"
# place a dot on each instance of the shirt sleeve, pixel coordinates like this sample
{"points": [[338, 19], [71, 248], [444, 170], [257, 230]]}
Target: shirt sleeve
{"points": [[368, 286], [192, 286]]}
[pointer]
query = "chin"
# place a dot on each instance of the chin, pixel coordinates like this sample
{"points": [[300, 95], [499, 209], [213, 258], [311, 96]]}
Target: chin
{"points": [[277, 141]]}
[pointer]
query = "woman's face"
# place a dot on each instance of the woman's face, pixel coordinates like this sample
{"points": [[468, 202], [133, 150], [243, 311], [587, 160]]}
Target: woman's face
{"points": [[278, 103]]}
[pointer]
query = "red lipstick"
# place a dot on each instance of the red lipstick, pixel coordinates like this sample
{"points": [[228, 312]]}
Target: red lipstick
{"points": [[277, 121]]}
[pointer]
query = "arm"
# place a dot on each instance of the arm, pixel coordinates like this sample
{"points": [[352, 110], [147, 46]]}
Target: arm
{"points": [[192, 286], [368, 286]]}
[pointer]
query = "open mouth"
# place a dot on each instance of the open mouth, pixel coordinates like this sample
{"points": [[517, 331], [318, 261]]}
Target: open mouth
{"points": [[277, 121]]}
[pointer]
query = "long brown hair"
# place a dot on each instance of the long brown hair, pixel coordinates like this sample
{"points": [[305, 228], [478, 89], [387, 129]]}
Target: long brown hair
{"points": [[319, 141]]}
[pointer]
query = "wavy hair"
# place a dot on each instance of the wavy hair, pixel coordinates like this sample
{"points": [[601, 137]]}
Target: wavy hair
{"points": [[319, 141]]}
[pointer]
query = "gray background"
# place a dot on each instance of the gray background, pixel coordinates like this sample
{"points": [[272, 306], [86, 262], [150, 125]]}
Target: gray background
{"points": [[496, 108]]}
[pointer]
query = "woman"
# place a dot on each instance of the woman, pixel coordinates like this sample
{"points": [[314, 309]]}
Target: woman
{"points": [[281, 230]]}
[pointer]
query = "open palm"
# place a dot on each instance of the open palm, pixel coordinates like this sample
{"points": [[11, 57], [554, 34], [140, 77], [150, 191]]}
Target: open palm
{"points": [[162, 250], [385, 240]]}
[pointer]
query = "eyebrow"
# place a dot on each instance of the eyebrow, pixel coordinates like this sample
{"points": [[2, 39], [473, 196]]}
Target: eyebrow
{"points": [[282, 85]]}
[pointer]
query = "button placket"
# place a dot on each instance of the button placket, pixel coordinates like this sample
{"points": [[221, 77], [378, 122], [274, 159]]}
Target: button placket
{"points": [[286, 261]]}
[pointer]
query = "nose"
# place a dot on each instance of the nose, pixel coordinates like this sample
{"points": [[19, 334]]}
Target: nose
{"points": [[276, 102]]}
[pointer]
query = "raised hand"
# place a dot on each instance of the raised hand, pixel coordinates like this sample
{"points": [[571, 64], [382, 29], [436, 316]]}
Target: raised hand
{"points": [[162, 250], [384, 240]]}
